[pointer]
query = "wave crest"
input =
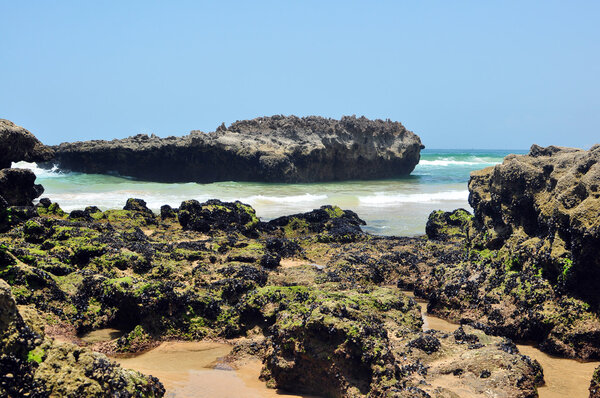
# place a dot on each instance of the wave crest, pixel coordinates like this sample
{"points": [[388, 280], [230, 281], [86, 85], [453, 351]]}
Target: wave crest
{"points": [[38, 171], [307, 197], [444, 162], [383, 198]]}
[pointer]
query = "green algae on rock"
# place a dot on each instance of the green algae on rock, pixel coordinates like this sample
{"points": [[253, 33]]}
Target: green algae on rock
{"points": [[546, 203], [32, 365], [315, 295]]}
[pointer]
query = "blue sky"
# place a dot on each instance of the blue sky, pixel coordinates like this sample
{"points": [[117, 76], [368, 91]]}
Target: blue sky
{"points": [[464, 74]]}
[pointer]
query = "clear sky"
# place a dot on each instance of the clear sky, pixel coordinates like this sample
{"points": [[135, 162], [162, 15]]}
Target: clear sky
{"points": [[461, 74]]}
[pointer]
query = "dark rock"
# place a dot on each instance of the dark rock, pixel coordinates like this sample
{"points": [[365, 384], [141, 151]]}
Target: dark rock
{"points": [[18, 188], [443, 225], [4, 216], [80, 215], [92, 210], [283, 247], [426, 343], [217, 215], [461, 336], [45, 202], [18, 144], [167, 211], [274, 149], [270, 261], [137, 205], [331, 223], [35, 230], [19, 214], [595, 384]]}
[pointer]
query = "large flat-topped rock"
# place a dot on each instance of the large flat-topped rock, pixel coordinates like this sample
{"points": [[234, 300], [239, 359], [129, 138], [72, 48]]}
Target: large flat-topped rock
{"points": [[270, 149]]}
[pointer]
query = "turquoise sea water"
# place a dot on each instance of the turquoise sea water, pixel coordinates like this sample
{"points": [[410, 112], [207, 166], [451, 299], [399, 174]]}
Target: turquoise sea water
{"points": [[390, 207]]}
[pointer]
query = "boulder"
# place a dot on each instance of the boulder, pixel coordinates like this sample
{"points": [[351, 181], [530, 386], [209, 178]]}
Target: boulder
{"points": [[137, 205], [545, 205], [215, 215], [329, 223], [270, 149], [18, 188], [444, 225], [18, 144]]}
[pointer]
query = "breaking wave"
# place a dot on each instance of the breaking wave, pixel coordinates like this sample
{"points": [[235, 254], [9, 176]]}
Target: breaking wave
{"points": [[384, 199]]}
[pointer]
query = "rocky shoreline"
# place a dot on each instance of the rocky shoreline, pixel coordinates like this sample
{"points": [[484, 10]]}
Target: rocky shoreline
{"points": [[321, 319], [316, 299], [267, 149]]}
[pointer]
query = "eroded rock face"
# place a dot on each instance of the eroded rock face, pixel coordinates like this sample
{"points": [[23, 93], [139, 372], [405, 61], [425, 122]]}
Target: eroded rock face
{"points": [[546, 206], [18, 187], [18, 144], [272, 149], [330, 223], [502, 291]]}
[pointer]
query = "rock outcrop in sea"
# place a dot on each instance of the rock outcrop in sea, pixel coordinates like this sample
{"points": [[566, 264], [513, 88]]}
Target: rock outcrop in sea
{"points": [[17, 186], [269, 149], [18, 144]]}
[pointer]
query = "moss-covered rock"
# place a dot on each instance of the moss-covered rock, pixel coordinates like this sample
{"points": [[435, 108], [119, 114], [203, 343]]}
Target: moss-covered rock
{"points": [[31, 365], [442, 225], [312, 293], [217, 215], [551, 195], [328, 223]]}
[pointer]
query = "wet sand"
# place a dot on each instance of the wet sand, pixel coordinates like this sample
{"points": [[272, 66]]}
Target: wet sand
{"points": [[193, 369], [100, 335], [564, 377]]}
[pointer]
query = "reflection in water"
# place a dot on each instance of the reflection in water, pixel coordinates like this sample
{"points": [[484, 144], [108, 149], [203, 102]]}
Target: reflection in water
{"points": [[563, 377], [192, 369]]}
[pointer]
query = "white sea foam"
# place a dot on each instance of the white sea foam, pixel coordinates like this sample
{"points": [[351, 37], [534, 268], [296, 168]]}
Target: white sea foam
{"points": [[116, 199], [307, 197], [38, 171], [453, 162], [384, 198]]}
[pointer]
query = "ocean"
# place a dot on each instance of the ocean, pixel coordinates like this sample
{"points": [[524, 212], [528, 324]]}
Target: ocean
{"points": [[389, 207]]}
